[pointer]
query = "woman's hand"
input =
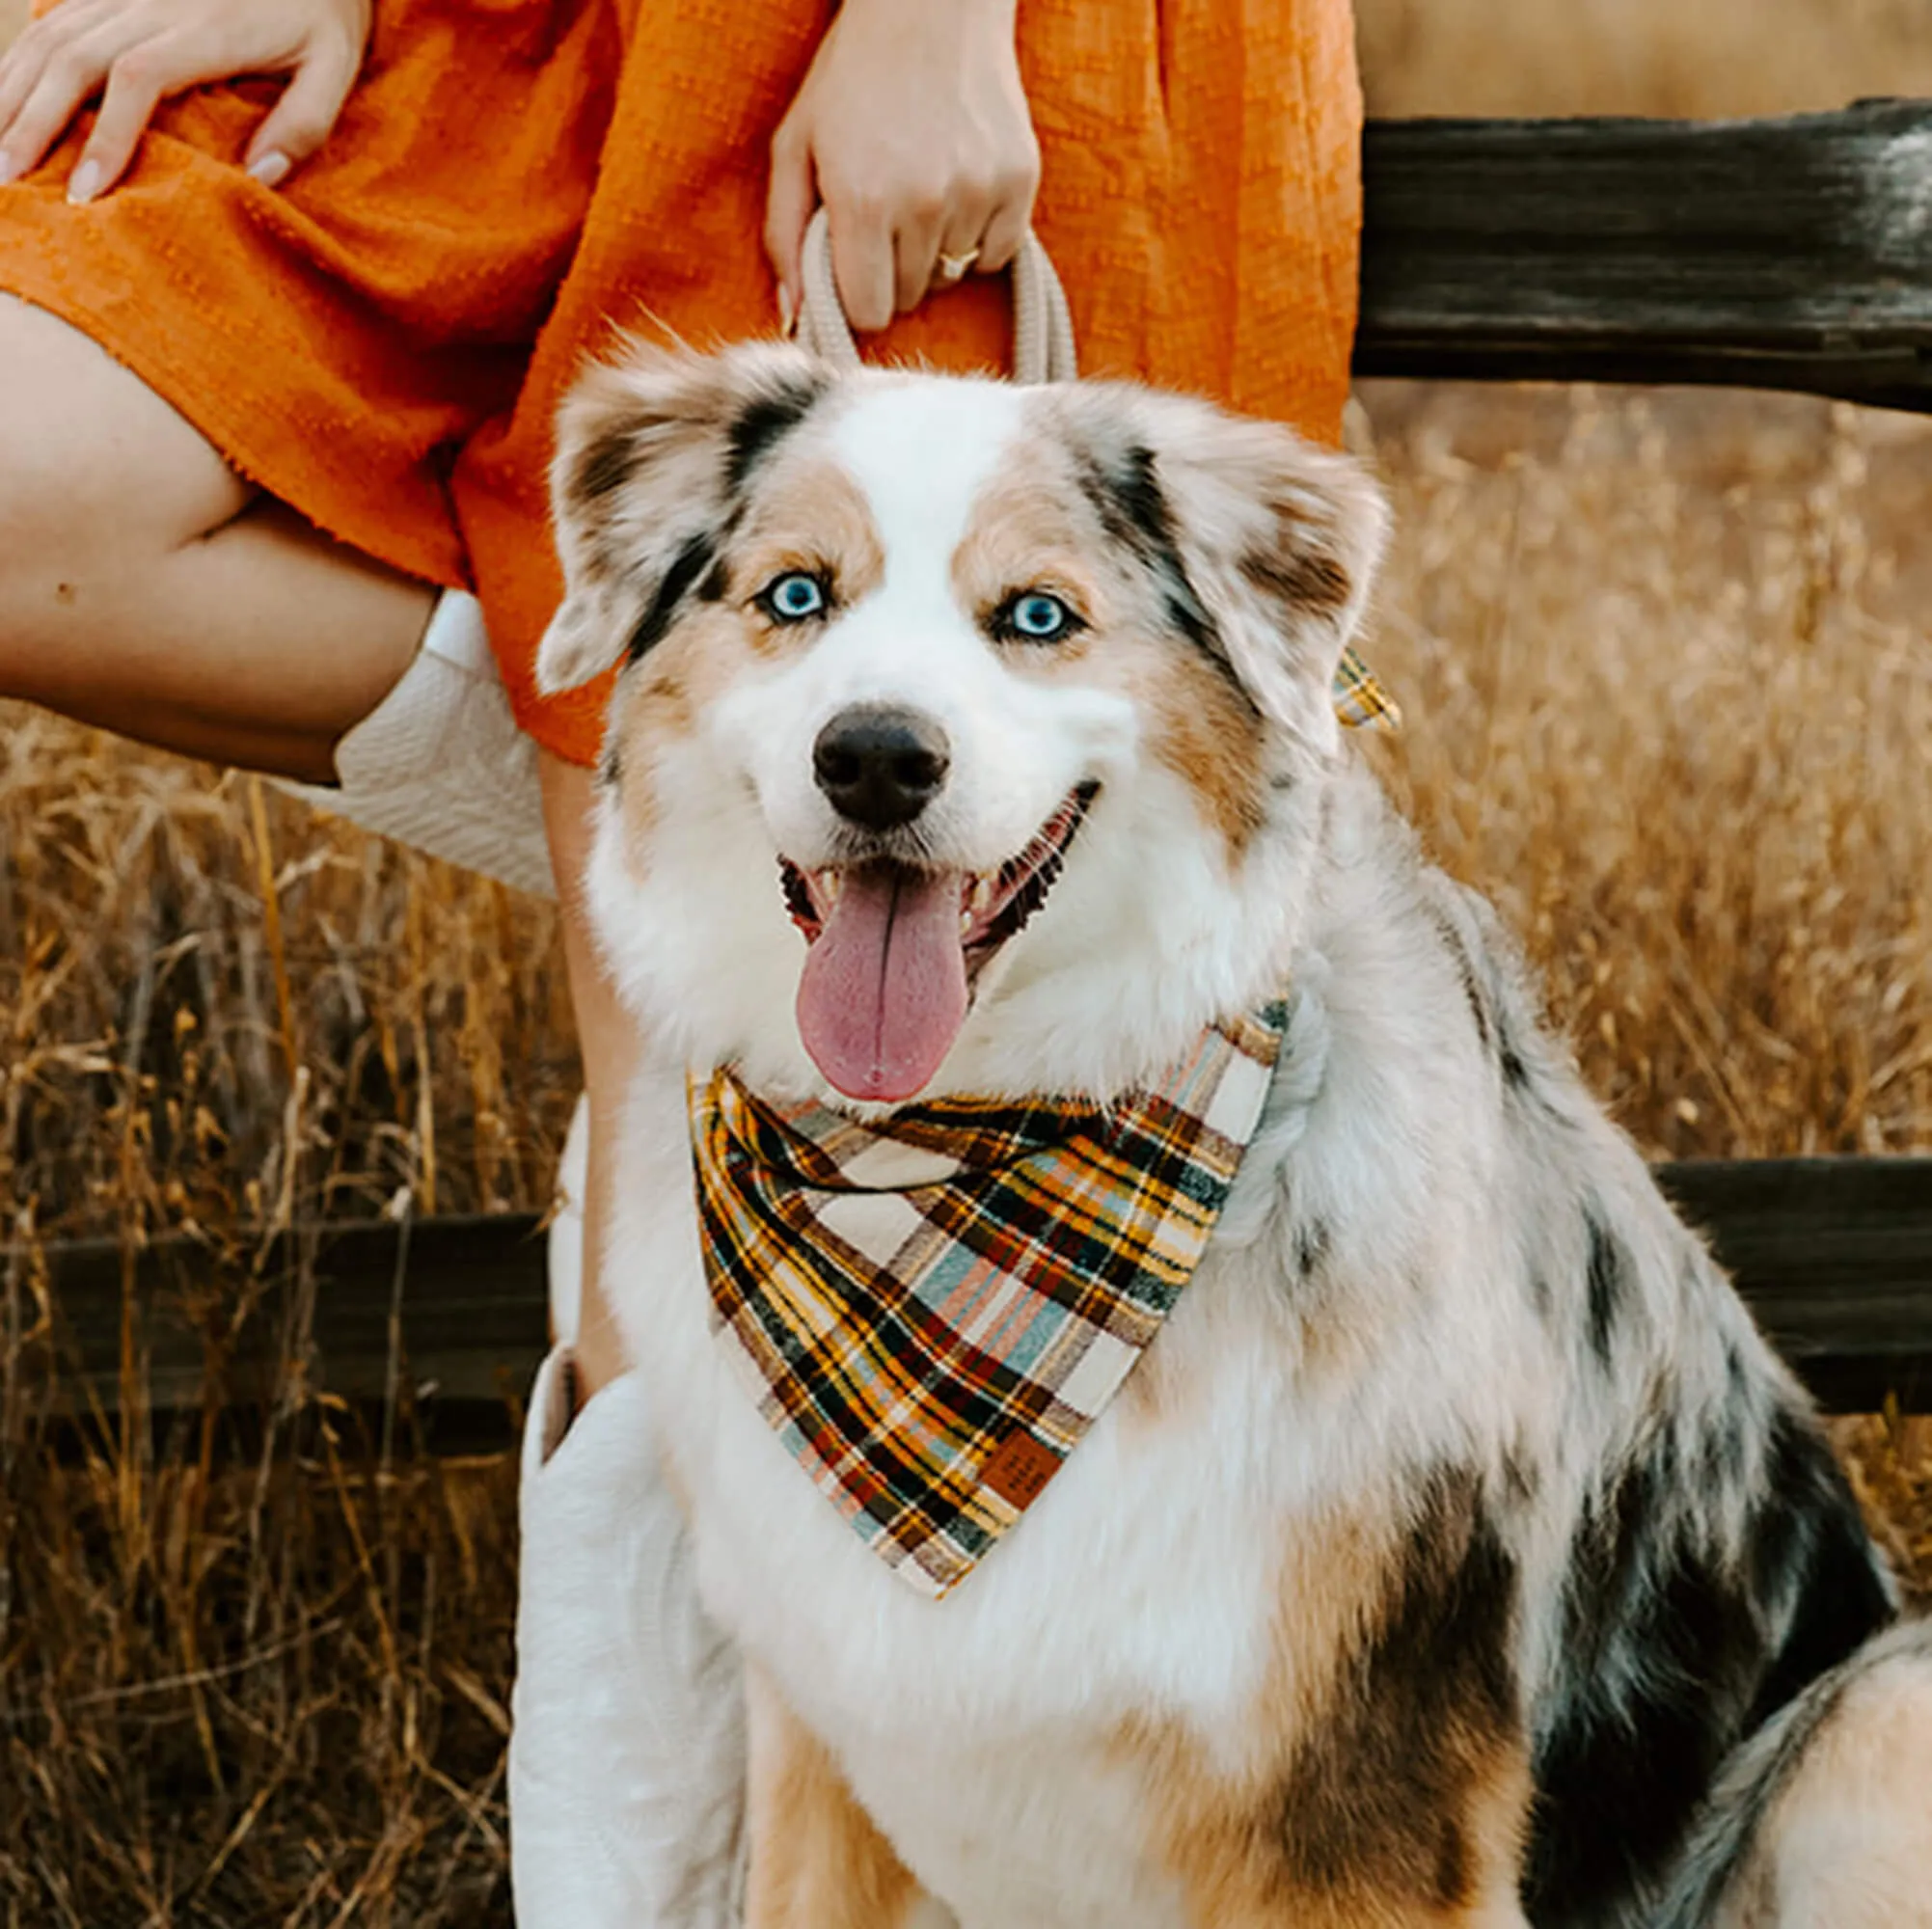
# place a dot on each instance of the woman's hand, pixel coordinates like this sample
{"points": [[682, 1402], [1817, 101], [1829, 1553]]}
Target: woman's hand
{"points": [[912, 129], [135, 53]]}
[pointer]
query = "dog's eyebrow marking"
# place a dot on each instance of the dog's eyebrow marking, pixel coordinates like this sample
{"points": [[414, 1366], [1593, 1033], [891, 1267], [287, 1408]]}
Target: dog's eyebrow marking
{"points": [[765, 422], [698, 559], [812, 516]]}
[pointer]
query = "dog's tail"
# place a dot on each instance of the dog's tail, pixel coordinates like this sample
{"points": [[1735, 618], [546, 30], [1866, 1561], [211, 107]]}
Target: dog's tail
{"points": [[1824, 1817]]}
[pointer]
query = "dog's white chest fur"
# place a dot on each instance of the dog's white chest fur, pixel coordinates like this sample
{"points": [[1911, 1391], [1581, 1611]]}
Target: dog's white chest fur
{"points": [[983, 1730]]}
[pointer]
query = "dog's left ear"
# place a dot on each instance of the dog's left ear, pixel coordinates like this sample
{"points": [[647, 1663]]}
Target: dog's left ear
{"points": [[1265, 545], [654, 450]]}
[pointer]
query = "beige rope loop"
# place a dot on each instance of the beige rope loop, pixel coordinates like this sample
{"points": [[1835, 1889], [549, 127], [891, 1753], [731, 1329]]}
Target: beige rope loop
{"points": [[1043, 325]]}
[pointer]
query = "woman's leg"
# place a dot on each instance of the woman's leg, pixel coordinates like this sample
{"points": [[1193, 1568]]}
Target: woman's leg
{"points": [[611, 1048], [627, 1743], [145, 588]]}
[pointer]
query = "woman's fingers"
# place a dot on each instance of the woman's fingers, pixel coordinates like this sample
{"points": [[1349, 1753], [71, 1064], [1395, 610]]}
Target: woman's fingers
{"points": [[862, 258], [920, 222], [788, 210], [950, 236], [134, 54], [912, 127], [22, 64], [138, 80], [980, 231], [1007, 225], [18, 70], [962, 242], [53, 86], [308, 110]]}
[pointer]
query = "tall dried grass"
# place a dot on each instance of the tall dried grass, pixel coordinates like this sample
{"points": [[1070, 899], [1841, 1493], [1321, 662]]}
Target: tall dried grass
{"points": [[250, 1671], [1709, 60], [225, 1006], [1670, 703], [1670, 696]]}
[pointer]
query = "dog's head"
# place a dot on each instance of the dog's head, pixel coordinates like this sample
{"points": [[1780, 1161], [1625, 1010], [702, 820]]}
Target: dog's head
{"points": [[968, 736]]}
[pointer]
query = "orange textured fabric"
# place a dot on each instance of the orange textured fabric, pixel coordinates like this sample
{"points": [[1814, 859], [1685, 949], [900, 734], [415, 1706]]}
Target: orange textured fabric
{"points": [[383, 342]]}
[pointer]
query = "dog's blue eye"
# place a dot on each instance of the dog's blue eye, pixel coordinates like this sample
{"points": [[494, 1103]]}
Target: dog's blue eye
{"points": [[1038, 617], [795, 597]]}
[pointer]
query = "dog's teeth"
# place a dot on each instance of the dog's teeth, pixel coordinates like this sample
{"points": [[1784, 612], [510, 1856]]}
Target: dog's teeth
{"points": [[830, 884], [967, 922], [982, 897]]}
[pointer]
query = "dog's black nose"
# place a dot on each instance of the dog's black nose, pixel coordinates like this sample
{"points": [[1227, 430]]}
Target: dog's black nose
{"points": [[880, 766]]}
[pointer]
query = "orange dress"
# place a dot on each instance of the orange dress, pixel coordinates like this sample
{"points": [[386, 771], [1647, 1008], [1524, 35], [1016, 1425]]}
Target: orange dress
{"points": [[382, 342]]}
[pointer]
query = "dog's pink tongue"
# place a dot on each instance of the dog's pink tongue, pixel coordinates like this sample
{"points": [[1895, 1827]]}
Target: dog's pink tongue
{"points": [[883, 993]]}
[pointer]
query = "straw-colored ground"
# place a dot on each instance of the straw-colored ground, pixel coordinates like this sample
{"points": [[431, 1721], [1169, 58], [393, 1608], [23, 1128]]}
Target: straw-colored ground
{"points": [[1669, 697]]}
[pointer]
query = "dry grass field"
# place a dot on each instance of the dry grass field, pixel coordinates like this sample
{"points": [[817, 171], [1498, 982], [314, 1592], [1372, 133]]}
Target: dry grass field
{"points": [[1709, 59], [1669, 690]]}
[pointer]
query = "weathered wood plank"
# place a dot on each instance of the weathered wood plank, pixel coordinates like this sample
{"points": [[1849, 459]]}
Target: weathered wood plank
{"points": [[472, 1307], [1834, 1255], [1792, 252]]}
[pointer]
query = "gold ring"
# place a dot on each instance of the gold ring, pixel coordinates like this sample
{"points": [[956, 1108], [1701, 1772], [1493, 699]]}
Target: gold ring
{"points": [[953, 267]]}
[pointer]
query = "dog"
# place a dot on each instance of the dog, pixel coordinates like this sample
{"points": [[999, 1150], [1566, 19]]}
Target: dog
{"points": [[1442, 1553]]}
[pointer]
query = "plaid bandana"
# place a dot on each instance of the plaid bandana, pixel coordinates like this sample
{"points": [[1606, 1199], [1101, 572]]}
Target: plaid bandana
{"points": [[931, 1309], [1359, 700]]}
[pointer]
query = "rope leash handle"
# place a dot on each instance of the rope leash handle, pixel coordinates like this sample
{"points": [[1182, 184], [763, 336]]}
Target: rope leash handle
{"points": [[1042, 324]]}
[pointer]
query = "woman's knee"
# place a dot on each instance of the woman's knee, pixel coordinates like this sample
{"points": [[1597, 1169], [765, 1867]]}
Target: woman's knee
{"points": [[98, 476], [145, 588], [101, 483]]}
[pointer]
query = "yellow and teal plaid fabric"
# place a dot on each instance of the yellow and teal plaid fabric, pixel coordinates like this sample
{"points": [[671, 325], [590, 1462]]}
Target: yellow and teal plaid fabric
{"points": [[931, 1309], [1359, 699]]}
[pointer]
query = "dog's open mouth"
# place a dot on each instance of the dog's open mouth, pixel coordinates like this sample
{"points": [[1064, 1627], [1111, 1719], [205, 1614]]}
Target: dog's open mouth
{"points": [[896, 950]]}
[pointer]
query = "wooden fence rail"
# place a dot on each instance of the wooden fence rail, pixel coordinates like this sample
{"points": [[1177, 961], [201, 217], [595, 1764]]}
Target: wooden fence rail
{"points": [[1833, 1255], [1780, 254]]}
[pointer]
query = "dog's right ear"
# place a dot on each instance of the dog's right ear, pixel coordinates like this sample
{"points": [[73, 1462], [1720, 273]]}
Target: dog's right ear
{"points": [[654, 452]]}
